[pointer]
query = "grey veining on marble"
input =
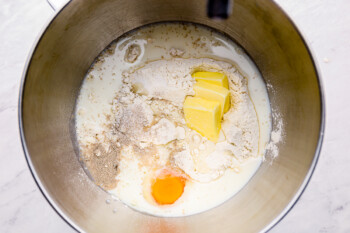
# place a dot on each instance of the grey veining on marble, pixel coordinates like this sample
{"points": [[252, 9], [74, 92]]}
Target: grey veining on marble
{"points": [[325, 205]]}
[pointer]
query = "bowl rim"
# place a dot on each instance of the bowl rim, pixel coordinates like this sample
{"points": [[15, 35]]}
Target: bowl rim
{"points": [[269, 226]]}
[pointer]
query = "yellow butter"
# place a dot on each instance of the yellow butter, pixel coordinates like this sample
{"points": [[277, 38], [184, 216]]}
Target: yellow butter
{"points": [[212, 77], [204, 116], [213, 92]]}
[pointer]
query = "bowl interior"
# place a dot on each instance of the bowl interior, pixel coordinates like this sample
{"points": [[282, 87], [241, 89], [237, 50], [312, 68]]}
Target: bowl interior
{"points": [[84, 28]]}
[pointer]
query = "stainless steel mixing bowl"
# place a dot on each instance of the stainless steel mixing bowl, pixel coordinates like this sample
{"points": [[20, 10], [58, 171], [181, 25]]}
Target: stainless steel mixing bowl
{"points": [[82, 29]]}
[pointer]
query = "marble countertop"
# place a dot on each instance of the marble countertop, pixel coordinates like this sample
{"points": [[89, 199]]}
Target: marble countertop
{"points": [[324, 206]]}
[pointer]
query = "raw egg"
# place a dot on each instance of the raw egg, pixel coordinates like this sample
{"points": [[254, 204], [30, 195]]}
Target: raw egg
{"points": [[167, 189], [164, 186]]}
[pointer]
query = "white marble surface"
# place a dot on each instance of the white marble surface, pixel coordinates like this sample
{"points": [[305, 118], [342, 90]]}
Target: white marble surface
{"points": [[324, 206]]}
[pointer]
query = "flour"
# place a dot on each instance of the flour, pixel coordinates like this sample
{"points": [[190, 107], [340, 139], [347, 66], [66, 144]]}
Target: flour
{"points": [[164, 132], [148, 111], [241, 129], [132, 53], [163, 80], [174, 52], [147, 118], [276, 138], [186, 163]]}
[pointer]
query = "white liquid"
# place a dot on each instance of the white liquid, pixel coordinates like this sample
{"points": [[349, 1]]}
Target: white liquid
{"points": [[155, 41], [197, 197]]}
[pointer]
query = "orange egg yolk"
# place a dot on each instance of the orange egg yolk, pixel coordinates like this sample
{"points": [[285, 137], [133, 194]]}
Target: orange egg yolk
{"points": [[167, 189]]}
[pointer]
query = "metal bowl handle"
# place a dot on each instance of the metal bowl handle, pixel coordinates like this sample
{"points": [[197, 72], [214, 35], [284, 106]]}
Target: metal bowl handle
{"points": [[219, 9]]}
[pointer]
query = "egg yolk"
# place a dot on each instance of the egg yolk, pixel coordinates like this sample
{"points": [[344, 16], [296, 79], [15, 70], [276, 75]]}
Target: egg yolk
{"points": [[166, 190]]}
